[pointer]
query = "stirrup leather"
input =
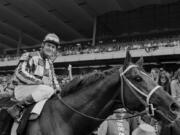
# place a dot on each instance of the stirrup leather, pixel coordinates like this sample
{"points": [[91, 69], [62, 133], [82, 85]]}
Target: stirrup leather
{"points": [[15, 111]]}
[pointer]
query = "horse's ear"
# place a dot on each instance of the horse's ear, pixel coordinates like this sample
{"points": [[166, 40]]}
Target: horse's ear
{"points": [[127, 59], [140, 62]]}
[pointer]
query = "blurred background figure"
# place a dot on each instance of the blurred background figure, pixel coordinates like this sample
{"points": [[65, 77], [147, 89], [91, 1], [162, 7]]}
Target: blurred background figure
{"points": [[70, 72], [146, 119], [175, 86], [116, 126], [144, 129], [164, 81], [155, 74], [3, 83]]}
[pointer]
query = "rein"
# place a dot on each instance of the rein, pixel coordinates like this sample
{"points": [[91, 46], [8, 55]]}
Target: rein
{"points": [[95, 118]]}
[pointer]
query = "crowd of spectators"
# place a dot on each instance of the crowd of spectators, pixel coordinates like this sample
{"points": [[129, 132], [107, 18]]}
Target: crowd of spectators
{"points": [[105, 45], [116, 45], [160, 75]]}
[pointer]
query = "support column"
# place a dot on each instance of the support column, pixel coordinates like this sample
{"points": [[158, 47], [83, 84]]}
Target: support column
{"points": [[94, 31], [19, 43]]}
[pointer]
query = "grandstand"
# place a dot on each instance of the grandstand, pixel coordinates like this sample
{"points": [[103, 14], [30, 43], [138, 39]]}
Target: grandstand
{"points": [[94, 34]]}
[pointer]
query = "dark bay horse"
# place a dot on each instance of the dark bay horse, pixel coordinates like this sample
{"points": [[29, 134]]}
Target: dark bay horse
{"points": [[95, 95]]}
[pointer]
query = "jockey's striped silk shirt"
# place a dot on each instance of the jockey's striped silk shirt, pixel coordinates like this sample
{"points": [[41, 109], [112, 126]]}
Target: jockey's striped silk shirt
{"points": [[32, 68]]}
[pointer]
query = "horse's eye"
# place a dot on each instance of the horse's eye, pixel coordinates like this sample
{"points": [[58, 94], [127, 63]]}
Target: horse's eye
{"points": [[138, 79]]}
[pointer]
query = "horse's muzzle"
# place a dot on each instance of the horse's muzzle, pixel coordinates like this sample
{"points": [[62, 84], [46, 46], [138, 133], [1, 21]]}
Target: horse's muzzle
{"points": [[168, 117]]}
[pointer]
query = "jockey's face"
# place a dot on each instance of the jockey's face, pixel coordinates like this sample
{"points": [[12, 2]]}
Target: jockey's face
{"points": [[49, 49]]}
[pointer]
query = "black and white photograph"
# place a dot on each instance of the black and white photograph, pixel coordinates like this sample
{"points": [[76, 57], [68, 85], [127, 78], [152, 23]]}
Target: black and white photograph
{"points": [[89, 67]]}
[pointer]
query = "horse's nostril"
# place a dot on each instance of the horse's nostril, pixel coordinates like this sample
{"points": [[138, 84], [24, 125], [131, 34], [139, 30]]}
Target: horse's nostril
{"points": [[174, 107]]}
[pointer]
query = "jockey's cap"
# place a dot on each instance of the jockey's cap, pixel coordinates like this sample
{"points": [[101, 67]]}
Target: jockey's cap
{"points": [[52, 38]]}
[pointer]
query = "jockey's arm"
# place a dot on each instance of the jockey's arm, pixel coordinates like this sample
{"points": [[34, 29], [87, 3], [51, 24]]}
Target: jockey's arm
{"points": [[23, 74]]}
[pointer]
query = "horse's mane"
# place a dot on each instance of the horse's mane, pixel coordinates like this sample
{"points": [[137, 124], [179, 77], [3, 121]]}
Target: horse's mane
{"points": [[84, 81]]}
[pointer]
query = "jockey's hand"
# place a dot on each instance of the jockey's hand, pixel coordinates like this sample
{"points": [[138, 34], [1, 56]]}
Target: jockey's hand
{"points": [[46, 81], [58, 91], [41, 82]]}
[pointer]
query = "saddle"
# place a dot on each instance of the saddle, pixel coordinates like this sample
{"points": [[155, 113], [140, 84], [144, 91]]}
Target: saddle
{"points": [[7, 103]]}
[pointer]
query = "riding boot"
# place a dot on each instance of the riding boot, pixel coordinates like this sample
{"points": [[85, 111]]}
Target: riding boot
{"points": [[16, 110]]}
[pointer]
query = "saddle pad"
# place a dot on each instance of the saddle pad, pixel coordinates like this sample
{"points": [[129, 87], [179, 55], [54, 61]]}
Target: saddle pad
{"points": [[37, 109], [14, 128]]}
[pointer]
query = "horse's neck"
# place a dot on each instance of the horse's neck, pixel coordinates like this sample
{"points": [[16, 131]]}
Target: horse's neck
{"points": [[92, 101]]}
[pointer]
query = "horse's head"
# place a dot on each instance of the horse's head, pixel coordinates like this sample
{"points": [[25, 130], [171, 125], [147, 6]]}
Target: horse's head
{"points": [[140, 92]]}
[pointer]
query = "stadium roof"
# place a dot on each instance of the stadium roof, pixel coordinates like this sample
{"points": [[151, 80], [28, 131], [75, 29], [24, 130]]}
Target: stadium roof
{"points": [[70, 19]]}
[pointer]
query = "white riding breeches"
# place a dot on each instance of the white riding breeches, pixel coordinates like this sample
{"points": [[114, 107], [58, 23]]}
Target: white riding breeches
{"points": [[38, 92]]}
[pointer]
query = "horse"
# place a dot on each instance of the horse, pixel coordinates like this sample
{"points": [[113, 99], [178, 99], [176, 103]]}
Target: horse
{"points": [[86, 101]]}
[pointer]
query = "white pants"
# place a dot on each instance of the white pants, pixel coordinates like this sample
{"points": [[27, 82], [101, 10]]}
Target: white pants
{"points": [[38, 92]]}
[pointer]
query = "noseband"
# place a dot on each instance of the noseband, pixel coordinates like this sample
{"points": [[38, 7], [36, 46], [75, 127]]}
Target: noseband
{"points": [[136, 91]]}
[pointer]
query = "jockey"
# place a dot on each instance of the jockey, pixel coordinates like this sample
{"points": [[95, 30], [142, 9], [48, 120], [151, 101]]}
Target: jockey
{"points": [[34, 79]]}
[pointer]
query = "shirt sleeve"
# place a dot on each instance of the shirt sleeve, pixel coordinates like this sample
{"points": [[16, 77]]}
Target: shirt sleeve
{"points": [[23, 71]]}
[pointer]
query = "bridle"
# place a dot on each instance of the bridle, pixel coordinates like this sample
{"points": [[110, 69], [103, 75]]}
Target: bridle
{"points": [[148, 106], [137, 90]]}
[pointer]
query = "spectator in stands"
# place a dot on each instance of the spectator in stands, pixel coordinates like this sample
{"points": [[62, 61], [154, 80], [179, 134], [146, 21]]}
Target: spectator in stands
{"points": [[144, 129], [3, 83], [116, 126], [34, 78], [164, 81], [151, 121], [155, 74], [175, 86], [70, 72]]}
